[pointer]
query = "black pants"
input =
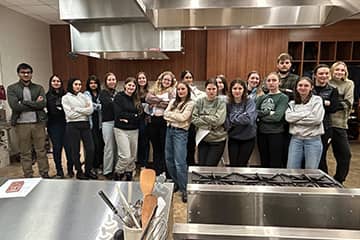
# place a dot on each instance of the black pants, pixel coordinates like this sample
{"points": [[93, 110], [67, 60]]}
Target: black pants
{"points": [[325, 138], [271, 149], [191, 144], [98, 145], [341, 149], [240, 151], [210, 153], [143, 143], [157, 134], [76, 131]]}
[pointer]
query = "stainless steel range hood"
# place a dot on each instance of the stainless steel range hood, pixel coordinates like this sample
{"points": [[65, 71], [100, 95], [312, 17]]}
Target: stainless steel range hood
{"points": [[205, 14], [114, 29]]}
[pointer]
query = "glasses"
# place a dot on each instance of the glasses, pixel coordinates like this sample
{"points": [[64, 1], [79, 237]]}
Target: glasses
{"points": [[27, 72]]}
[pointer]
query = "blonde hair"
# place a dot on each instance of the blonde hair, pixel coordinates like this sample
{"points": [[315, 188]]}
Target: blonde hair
{"points": [[158, 88], [332, 69]]}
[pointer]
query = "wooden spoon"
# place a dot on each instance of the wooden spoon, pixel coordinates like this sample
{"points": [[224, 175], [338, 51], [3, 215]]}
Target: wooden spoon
{"points": [[147, 181], [149, 204]]}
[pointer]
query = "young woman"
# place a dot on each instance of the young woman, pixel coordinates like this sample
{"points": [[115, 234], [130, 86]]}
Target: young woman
{"points": [[106, 97], [330, 96], [340, 143], [159, 97], [208, 117], [127, 112], [271, 109], [178, 117], [93, 92], [143, 141], [305, 117], [222, 87], [240, 124], [187, 77], [253, 85], [56, 125], [77, 109]]}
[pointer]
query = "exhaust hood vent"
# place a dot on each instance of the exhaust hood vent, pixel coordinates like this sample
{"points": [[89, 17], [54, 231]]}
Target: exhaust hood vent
{"points": [[113, 29], [205, 14]]}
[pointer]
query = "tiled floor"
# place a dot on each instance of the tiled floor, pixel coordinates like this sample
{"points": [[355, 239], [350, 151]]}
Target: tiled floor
{"points": [[179, 208]]}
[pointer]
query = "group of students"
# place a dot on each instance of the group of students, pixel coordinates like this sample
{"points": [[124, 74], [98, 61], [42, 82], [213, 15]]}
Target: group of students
{"points": [[291, 120]]}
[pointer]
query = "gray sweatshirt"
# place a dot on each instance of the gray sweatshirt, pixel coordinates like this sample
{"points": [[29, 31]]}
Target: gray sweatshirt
{"points": [[306, 120]]}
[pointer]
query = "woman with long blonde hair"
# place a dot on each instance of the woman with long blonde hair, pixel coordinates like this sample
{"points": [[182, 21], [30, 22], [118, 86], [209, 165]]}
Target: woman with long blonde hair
{"points": [[158, 98], [340, 143]]}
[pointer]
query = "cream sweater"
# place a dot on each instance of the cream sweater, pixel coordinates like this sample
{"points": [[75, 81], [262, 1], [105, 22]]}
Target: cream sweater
{"points": [[76, 107]]}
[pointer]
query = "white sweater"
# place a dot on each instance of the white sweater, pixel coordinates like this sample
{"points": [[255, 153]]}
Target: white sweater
{"points": [[306, 120], [76, 107]]}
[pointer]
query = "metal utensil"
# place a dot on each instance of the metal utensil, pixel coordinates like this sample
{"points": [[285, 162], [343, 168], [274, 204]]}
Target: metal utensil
{"points": [[128, 208], [111, 206]]}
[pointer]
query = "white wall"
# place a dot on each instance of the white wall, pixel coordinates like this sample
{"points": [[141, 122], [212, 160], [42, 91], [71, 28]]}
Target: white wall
{"points": [[23, 39]]}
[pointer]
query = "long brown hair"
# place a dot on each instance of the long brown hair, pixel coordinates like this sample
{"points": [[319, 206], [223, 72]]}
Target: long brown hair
{"points": [[178, 99], [142, 91], [105, 78], [135, 96], [297, 96], [243, 85]]}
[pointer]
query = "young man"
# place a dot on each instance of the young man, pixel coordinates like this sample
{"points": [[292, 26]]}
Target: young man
{"points": [[27, 101], [287, 79]]}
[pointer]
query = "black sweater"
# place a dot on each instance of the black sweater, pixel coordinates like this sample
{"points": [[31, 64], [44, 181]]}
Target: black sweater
{"points": [[107, 109], [55, 112], [125, 109]]}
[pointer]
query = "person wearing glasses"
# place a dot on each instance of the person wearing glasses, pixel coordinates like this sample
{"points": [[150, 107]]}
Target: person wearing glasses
{"points": [[27, 101]]}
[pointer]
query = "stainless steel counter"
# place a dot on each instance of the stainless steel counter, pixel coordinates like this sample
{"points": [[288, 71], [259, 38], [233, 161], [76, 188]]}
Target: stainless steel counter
{"points": [[69, 209], [221, 232]]}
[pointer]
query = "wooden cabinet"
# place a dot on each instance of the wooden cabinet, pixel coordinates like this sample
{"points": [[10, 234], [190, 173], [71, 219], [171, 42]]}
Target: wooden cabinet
{"points": [[307, 54]]}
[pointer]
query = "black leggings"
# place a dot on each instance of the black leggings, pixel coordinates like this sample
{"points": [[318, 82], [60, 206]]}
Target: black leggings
{"points": [[210, 153], [76, 131], [157, 134], [240, 151], [271, 149]]}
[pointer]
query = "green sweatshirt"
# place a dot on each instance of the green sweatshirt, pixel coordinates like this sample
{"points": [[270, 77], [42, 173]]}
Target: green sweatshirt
{"points": [[271, 110], [210, 115]]}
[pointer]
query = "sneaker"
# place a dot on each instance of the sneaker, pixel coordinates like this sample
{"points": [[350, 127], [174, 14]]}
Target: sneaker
{"points": [[91, 175], [61, 176], [128, 176], [184, 197], [46, 176], [118, 176], [109, 176], [81, 176]]}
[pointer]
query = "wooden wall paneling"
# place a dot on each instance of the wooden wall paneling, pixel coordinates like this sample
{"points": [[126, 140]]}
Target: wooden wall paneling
{"points": [[216, 54], [343, 31], [65, 65], [194, 43], [276, 42], [60, 47], [237, 54]]}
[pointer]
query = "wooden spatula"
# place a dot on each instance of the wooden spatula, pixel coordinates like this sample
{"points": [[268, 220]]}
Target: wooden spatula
{"points": [[147, 181], [149, 203]]}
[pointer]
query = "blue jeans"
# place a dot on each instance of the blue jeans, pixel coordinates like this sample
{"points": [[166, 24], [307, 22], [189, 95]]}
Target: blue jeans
{"points": [[175, 155], [56, 133], [299, 148]]}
